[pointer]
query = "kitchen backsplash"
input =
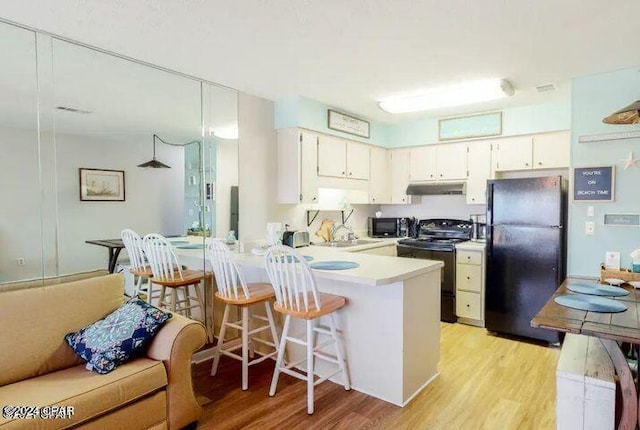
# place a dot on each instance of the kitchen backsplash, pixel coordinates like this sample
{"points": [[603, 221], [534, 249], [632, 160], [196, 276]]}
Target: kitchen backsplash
{"points": [[454, 207], [296, 217]]}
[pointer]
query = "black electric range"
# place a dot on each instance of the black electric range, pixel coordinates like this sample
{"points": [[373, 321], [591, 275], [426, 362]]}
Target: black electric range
{"points": [[436, 240]]}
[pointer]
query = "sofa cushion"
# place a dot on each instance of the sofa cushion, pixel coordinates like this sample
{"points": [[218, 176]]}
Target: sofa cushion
{"points": [[34, 321], [90, 394], [111, 341]]}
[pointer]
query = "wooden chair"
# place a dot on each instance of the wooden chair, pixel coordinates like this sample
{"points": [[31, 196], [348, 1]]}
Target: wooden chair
{"points": [[139, 267], [168, 273], [298, 297], [234, 291]]}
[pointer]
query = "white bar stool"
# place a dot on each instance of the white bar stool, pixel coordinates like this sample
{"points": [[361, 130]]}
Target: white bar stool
{"points": [[234, 291], [298, 297], [168, 273], [139, 267]]}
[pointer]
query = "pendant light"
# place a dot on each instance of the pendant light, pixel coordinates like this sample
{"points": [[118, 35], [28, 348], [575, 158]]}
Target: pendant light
{"points": [[153, 163], [627, 115]]}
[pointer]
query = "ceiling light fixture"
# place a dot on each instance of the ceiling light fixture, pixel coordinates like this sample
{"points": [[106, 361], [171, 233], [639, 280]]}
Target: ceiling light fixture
{"points": [[225, 132], [155, 164], [627, 115], [454, 95]]}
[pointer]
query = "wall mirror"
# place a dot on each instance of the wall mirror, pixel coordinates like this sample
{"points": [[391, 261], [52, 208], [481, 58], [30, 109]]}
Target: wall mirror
{"points": [[66, 107]]}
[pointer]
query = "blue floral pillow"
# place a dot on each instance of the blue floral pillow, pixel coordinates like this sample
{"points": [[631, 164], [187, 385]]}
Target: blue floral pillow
{"points": [[111, 341]]}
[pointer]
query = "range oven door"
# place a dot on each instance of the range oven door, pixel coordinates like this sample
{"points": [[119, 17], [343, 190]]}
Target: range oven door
{"points": [[447, 277]]}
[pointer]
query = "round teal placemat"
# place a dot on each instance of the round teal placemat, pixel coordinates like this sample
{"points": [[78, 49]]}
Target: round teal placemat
{"points": [[192, 246], [334, 265], [590, 303], [597, 289], [179, 242], [306, 257]]}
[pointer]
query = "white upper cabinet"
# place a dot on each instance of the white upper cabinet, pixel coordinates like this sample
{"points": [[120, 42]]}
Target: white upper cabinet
{"points": [[297, 154], [380, 179], [357, 161], [451, 161], [422, 163], [400, 176], [513, 153], [479, 170], [551, 150], [438, 162], [332, 157]]}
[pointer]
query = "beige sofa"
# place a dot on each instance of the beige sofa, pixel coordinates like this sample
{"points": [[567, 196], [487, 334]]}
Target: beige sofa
{"points": [[37, 367]]}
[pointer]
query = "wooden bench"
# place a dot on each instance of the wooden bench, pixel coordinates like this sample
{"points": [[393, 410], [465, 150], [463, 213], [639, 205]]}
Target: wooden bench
{"points": [[586, 388]]}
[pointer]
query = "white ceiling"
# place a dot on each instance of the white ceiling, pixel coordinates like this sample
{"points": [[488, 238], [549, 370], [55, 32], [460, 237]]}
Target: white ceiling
{"points": [[352, 53]]}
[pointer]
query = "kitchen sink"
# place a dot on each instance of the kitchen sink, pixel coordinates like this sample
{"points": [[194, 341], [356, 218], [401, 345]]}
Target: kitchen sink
{"points": [[346, 243]]}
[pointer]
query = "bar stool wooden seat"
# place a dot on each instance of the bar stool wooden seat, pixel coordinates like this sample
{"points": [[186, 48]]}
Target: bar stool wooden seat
{"points": [[169, 274], [233, 290], [139, 268], [298, 297]]}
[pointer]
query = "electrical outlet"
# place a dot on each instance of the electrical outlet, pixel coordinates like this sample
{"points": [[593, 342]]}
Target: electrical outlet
{"points": [[589, 228], [20, 261], [590, 211]]}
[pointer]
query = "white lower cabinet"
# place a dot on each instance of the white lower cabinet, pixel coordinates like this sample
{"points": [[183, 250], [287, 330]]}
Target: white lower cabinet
{"points": [[470, 283], [388, 250]]}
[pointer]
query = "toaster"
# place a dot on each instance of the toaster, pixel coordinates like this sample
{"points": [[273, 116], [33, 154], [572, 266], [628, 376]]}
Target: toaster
{"points": [[295, 239]]}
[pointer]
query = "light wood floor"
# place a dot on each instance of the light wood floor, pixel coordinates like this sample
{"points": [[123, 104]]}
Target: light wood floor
{"points": [[485, 382]]}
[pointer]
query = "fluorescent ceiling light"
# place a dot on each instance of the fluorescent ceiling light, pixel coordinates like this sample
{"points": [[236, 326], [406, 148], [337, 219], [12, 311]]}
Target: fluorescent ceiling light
{"points": [[454, 95], [226, 132]]}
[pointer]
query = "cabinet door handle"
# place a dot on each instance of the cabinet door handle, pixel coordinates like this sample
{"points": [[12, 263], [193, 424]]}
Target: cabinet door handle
{"points": [[468, 278], [343, 173], [526, 164], [350, 173], [473, 199], [468, 306], [539, 163], [441, 175], [314, 199]]}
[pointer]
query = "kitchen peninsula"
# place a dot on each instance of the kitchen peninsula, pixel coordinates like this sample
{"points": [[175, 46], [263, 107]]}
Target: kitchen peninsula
{"points": [[390, 325]]}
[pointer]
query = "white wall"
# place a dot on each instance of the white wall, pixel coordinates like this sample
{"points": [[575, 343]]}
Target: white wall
{"points": [[154, 197], [257, 166], [20, 210], [454, 207]]}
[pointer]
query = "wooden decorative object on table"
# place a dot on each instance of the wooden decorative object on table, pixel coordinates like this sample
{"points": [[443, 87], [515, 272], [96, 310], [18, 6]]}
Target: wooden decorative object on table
{"points": [[624, 274]]}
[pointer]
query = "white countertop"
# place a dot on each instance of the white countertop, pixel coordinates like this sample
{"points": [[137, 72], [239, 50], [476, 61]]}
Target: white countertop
{"points": [[373, 269], [471, 246]]}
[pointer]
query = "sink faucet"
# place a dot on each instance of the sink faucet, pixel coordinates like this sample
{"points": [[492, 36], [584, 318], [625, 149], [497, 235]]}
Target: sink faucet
{"points": [[350, 234]]}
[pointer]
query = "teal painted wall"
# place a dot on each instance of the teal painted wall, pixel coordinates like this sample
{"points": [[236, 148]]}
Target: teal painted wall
{"points": [[593, 98], [310, 114], [306, 113], [540, 118]]}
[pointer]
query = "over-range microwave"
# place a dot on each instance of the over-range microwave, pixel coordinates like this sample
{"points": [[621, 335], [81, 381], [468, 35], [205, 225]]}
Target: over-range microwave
{"points": [[388, 227]]}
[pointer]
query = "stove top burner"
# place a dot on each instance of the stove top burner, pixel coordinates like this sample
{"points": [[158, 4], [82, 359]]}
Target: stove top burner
{"points": [[445, 244]]}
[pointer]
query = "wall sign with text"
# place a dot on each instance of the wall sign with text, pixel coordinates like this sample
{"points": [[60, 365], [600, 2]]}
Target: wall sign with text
{"points": [[594, 184], [347, 124]]}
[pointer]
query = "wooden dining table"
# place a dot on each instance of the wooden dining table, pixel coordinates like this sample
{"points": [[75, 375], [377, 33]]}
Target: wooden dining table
{"points": [[610, 329], [114, 247]]}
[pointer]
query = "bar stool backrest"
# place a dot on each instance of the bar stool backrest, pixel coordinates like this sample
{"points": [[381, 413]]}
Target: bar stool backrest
{"points": [[133, 244], [163, 261], [292, 279], [228, 276]]}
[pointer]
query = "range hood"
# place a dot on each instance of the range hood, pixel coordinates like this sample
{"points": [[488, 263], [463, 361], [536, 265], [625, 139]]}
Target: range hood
{"points": [[436, 189]]}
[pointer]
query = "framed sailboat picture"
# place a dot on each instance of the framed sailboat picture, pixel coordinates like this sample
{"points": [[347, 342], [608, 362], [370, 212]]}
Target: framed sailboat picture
{"points": [[101, 185]]}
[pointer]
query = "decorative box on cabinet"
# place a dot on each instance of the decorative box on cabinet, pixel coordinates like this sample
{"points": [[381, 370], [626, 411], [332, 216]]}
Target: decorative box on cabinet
{"points": [[470, 283]]}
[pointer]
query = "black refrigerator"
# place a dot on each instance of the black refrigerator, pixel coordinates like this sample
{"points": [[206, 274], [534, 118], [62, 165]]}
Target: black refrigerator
{"points": [[526, 262]]}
